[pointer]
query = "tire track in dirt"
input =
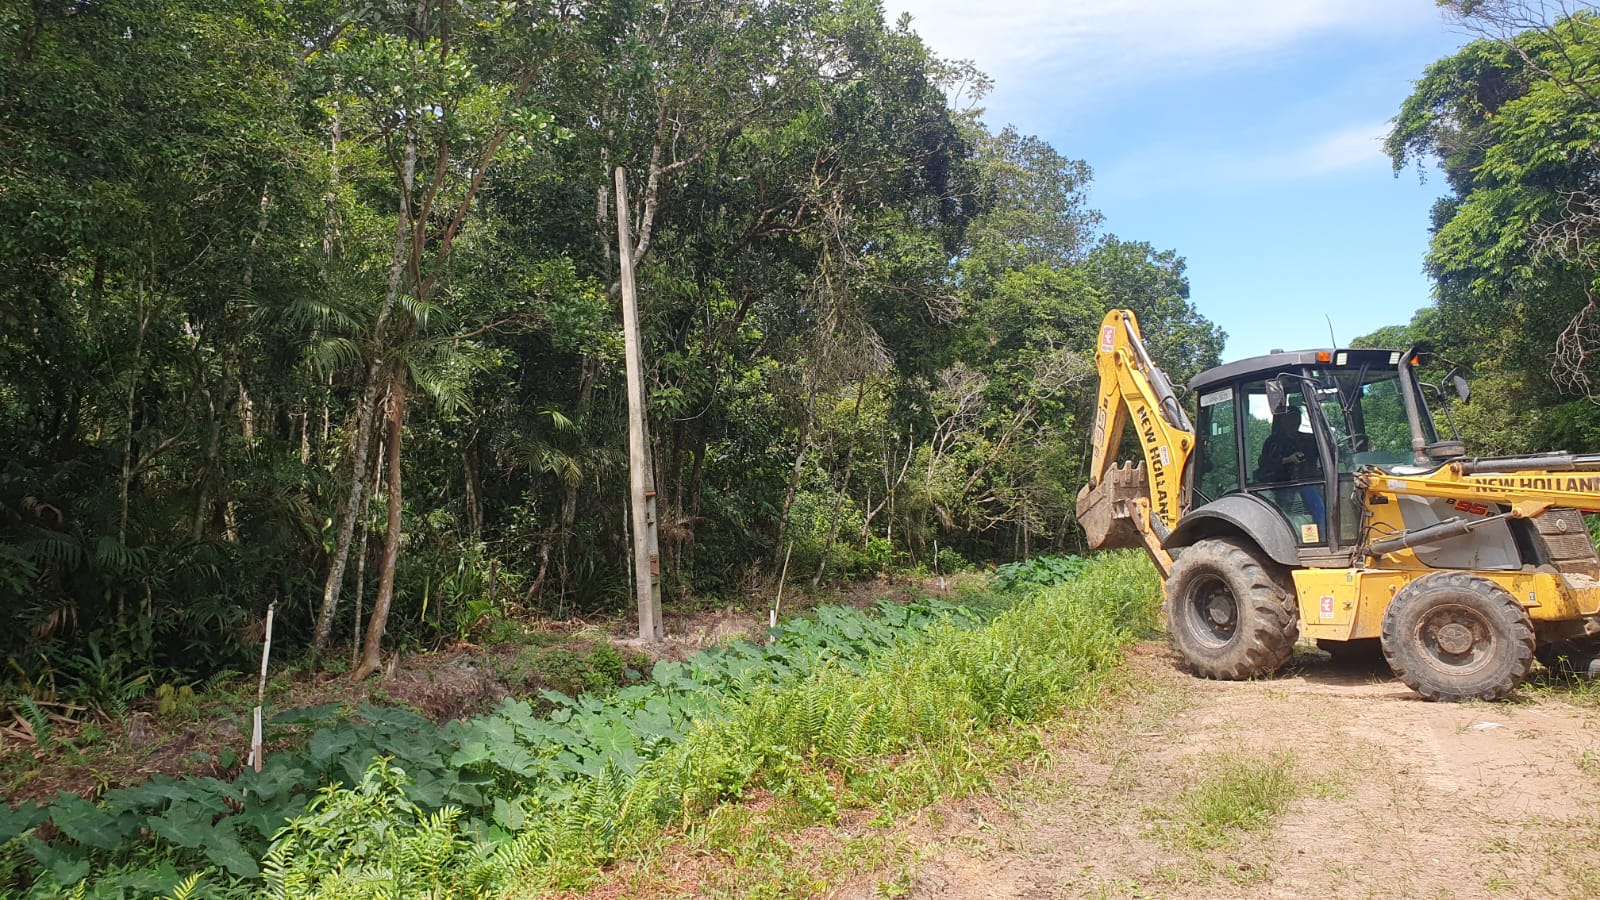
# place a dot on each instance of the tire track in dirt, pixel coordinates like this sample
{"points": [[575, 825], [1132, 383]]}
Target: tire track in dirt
{"points": [[1397, 797]]}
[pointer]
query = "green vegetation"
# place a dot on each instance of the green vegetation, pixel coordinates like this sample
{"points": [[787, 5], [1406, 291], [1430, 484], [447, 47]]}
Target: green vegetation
{"points": [[1514, 122], [314, 304], [1235, 795], [838, 710], [1041, 571], [597, 669]]}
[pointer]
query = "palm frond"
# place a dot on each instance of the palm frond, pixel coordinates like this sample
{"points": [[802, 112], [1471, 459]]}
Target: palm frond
{"points": [[333, 354]]}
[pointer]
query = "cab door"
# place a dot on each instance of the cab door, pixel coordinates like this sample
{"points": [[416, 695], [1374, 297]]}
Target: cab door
{"points": [[1283, 461]]}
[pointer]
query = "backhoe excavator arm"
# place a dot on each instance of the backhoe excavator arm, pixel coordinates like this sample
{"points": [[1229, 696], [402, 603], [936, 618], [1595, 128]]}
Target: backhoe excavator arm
{"points": [[1134, 505], [1580, 491]]}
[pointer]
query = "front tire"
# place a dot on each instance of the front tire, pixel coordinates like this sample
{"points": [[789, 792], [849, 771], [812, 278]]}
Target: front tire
{"points": [[1451, 636], [1231, 613]]}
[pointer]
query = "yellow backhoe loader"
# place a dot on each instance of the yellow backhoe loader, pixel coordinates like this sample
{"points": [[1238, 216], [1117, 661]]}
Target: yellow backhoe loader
{"points": [[1313, 496]]}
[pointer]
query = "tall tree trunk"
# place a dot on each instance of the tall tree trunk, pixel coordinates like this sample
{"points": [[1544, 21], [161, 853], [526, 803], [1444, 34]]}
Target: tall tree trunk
{"points": [[347, 527], [361, 559], [327, 422], [330, 216], [211, 472], [247, 413], [369, 400], [372, 647], [208, 471], [697, 474], [474, 494]]}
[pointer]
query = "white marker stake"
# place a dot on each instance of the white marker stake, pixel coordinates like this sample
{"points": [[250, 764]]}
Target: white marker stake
{"points": [[772, 614], [257, 754]]}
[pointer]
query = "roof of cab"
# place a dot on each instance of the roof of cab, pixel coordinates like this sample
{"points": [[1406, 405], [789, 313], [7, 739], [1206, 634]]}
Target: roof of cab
{"points": [[1273, 363]]}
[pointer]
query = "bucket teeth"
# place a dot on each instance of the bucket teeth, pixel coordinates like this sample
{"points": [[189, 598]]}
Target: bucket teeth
{"points": [[1103, 508]]}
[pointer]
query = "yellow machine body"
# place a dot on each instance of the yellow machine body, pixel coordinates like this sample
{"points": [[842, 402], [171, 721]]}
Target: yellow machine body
{"points": [[1349, 604], [1494, 563], [1132, 505]]}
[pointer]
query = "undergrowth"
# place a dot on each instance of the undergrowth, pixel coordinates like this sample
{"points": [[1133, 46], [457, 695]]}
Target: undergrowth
{"points": [[837, 710]]}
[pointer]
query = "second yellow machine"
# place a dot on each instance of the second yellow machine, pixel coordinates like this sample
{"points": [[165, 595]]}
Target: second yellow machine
{"points": [[1313, 495]]}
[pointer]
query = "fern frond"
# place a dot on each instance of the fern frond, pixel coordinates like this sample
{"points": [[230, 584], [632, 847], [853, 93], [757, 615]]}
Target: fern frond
{"points": [[185, 889], [37, 720]]}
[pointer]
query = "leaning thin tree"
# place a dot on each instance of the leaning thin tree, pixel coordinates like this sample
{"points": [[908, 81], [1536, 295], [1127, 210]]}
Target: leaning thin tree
{"points": [[439, 116]]}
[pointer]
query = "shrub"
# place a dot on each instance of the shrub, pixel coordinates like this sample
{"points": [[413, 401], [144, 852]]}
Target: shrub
{"points": [[597, 669], [1038, 572]]}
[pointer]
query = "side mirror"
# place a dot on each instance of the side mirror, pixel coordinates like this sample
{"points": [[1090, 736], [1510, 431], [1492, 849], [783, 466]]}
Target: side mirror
{"points": [[1463, 390], [1277, 397]]}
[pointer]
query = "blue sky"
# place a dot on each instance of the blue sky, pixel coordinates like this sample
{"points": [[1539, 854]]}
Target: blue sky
{"points": [[1244, 134]]}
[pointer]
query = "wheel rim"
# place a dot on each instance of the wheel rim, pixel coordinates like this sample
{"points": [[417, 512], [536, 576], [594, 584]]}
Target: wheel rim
{"points": [[1456, 639], [1213, 611]]}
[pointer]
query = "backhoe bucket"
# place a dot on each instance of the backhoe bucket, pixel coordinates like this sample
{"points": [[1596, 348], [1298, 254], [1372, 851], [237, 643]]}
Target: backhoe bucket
{"points": [[1103, 508]]}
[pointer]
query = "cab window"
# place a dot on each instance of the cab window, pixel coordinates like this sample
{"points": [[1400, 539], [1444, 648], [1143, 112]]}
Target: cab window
{"points": [[1217, 464]]}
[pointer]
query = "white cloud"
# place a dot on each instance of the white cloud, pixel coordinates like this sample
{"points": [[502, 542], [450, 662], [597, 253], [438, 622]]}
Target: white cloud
{"points": [[1350, 148], [1224, 165], [1122, 41]]}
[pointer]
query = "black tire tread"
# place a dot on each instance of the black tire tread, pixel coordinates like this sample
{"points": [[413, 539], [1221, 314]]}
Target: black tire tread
{"points": [[1268, 610], [1415, 675]]}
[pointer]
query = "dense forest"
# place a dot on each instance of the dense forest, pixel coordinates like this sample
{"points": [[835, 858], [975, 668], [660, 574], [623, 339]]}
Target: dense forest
{"points": [[315, 303]]}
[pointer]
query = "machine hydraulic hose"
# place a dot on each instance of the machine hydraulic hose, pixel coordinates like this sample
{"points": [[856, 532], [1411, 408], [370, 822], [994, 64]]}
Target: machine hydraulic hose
{"points": [[1451, 528], [1171, 409], [1431, 534]]}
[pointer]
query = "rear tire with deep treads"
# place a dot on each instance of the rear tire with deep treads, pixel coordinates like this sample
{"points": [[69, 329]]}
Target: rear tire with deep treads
{"points": [[1453, 636], [1231, 611]]}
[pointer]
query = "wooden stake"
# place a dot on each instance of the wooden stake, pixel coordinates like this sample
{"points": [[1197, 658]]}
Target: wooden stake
{"points": [[772, 614], [641, 475], [257, 752]]}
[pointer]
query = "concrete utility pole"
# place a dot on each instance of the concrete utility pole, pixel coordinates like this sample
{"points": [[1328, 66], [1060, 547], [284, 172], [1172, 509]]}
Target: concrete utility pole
{"points": [[641, 473]]}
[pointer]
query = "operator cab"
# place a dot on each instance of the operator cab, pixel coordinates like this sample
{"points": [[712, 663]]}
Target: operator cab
{"points": [[1292, 429]]}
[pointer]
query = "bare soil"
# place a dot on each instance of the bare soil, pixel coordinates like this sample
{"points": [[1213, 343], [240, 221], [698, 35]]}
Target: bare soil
{"points": [[1394, 797]]}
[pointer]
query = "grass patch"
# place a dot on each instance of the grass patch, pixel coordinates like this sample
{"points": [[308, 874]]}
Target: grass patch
{"points": [[581, 667], [1235, 796]]}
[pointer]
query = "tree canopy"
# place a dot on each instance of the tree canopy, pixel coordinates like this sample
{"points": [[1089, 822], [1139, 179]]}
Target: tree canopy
{"points": [[1513, 121], [314, 303]]}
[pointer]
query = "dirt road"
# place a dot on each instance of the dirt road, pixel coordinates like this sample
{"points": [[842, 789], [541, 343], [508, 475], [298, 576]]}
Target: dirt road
{"points": [[1388, 796]]}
